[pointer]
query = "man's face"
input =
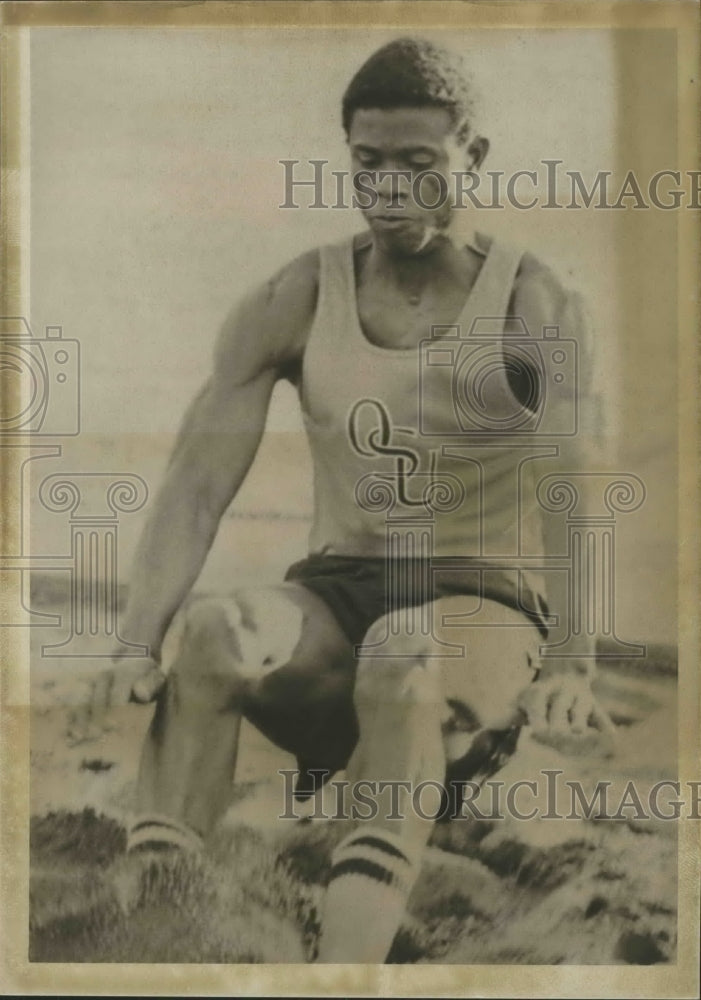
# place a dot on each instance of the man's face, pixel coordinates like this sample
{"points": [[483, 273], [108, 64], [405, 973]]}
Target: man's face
{"points": [[397, 145]]}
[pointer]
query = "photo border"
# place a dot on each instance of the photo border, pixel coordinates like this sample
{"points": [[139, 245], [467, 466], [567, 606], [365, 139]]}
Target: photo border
{"points": [[20, 976]]}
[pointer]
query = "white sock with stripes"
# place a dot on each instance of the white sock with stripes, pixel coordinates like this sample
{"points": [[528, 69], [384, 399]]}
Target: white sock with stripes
{"points": [[156, 831], [372, 875]]}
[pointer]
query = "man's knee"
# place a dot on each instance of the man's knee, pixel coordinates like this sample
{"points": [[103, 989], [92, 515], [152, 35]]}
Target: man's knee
{"points": [[406, 673], [234, 639], [396, 643]]}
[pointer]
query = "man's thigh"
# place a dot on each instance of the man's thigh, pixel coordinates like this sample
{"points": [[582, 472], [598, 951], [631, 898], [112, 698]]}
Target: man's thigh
{"points": [[499, 659], [303, 697]]}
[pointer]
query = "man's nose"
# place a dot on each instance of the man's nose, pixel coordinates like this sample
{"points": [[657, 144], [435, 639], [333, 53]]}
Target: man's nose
{"points": [[393, 185]]}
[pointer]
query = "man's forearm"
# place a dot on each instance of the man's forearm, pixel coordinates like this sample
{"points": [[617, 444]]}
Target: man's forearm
{"points": [[216, 445], [566, 589], [169, 557]]}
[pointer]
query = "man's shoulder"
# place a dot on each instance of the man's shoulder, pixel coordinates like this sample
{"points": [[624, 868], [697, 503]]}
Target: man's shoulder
{"points": [[539, 294], [269, 325], [292, 291]]}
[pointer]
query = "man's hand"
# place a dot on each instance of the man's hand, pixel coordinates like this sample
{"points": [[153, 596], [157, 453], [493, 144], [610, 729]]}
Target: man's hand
{"points": [[128, 680], [563, 712]]}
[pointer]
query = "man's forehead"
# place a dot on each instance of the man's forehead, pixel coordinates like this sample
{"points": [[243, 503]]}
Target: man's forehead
{"points": [[400, 127]]}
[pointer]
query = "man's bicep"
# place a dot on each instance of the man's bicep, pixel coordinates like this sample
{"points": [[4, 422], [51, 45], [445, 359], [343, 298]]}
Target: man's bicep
{"points": [[574, 446], [267, 328], [219, 437], [225, 407], [578, 412], [592, 383], [244, 366], [260, 338]]}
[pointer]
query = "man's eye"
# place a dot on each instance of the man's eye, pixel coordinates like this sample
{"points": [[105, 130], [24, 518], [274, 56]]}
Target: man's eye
{"points": [[367, 159], [422, 162]]}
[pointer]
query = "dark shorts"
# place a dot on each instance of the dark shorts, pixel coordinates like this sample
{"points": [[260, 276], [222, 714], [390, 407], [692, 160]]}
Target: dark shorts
{"points": [[356, 589]]}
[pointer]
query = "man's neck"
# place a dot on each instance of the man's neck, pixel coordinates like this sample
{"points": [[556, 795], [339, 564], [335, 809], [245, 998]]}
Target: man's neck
{"points": [[439, 258]]}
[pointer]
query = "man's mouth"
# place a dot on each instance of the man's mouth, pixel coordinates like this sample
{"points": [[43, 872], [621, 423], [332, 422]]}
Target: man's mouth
{"points": [[392, 219]]}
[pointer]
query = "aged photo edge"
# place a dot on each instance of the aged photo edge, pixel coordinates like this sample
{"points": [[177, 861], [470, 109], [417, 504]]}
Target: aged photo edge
{"points": [[20, 976]]}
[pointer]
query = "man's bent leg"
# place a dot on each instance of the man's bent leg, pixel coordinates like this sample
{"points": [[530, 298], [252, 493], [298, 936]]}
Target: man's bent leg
{"points": [[405, 707], [399, 702], [222, 654], [483, 690]]}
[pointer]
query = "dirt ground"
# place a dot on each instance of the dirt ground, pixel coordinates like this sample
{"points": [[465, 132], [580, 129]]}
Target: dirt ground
{"points": [[584, 891]]}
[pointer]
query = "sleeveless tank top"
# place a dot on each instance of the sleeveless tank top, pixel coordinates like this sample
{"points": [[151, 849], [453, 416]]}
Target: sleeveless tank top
{"points": [[409, 443]]}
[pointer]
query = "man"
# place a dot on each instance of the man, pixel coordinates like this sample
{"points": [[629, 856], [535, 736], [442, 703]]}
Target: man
{"points": [[330, 664]]}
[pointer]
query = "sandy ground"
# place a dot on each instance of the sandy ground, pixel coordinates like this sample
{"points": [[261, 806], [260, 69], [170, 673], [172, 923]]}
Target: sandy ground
{"points": [[597, 891]]}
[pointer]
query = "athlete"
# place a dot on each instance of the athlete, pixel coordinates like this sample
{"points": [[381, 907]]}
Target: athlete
{"points": [[405, 646]]}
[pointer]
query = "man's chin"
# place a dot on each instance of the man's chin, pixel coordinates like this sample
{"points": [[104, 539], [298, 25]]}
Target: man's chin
{"points": [[405, 238]]}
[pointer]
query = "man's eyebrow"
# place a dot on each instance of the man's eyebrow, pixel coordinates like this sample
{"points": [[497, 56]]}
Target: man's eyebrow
{"points": [[364, 147], [409, 150]]}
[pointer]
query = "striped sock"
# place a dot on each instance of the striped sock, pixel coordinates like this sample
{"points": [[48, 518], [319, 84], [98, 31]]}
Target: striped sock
{"points": [[372, 875], [155, 831]]}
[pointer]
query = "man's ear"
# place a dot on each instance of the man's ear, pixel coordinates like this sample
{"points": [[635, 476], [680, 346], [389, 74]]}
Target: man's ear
{"points": [[477, 152]]}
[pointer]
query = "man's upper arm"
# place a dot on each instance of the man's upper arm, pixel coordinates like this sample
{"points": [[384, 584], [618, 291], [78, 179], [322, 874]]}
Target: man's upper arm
{"points": [[261, 339], [267, 330], [543, 301]]}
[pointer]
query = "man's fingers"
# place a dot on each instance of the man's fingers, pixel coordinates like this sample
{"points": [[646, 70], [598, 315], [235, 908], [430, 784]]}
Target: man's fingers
{"points": [[534, 701], [110, 689], [602, 721], [121, 686], [558, 717], [146, 687], [580, 711], [567, 716], [134, 681]]}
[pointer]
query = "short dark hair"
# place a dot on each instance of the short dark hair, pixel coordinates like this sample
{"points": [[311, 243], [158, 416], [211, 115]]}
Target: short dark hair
{"points": [[413, 72]]}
